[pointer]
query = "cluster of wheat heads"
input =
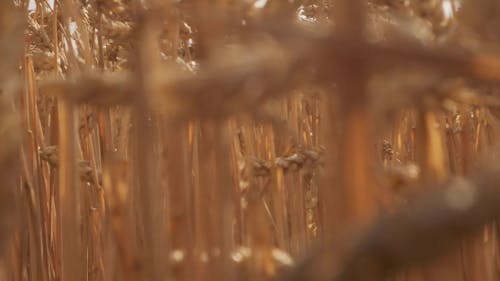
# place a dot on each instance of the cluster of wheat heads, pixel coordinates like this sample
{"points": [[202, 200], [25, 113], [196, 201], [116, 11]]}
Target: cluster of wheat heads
{"points": [[231, 139]]}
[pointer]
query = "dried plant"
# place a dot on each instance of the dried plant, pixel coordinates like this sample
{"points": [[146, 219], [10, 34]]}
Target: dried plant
{"points": [[249, 140]]}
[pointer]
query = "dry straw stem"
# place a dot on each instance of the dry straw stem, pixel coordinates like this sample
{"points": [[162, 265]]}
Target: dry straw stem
{"points": [[69, 192], [101, 89], [354, 193]]}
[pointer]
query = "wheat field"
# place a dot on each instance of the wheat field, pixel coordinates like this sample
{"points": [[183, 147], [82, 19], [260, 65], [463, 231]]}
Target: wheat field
{"points": [[287, 140]]}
